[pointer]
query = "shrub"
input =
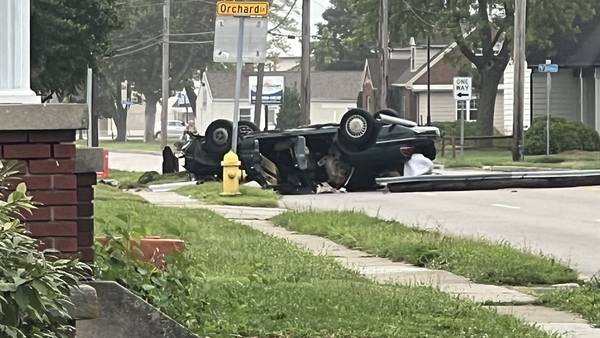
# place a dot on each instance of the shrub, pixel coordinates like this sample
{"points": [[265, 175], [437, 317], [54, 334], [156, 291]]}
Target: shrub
{"points": [[176, 290], [565, 135], [34, 289], [449, 129]]}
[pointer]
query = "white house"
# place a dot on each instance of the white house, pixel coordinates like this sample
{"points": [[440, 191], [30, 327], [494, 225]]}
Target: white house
{"points": [[333, 93], [408, 79]]}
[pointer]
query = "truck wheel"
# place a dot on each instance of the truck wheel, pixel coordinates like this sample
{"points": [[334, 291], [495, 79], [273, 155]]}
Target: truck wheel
{"points": [[247, 128], [218, 136], [358, 130]]}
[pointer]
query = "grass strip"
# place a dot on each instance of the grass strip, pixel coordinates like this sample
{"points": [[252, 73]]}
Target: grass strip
{"points": [[258, 286], [584, 301], [209, 192], [479, 260], [578, 160]]}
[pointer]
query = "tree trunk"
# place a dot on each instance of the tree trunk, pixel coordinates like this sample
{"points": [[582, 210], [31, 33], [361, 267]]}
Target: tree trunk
{"points": [[490, 79], [150, 115], [121, 123]]}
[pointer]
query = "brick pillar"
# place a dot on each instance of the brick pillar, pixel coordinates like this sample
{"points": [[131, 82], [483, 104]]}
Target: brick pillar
{"points": [[64, 218]]}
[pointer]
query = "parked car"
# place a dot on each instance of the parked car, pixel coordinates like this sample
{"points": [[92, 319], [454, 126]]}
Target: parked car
{"points": [[175, 129], [351, 154]]}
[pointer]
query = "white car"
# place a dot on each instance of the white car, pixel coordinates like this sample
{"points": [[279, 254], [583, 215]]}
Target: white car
{"points": [[175, 129]]}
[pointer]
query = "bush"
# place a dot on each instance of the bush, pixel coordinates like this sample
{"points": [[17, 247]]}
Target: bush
{"points": [[450, 129], [34, 289], [565, 135], [176, 290]]}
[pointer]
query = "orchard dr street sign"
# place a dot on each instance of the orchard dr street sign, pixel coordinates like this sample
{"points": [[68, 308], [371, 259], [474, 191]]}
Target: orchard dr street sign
{"points": [[242, 8]]}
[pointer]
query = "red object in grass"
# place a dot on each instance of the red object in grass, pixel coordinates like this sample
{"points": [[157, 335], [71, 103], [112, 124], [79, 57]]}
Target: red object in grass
{"points": [[105, 171], [154, 248]]}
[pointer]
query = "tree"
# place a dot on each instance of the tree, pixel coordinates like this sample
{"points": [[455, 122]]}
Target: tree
{"points": [[482, 29], [67, 36], [137, 55], [290, 115], [338, 47]]}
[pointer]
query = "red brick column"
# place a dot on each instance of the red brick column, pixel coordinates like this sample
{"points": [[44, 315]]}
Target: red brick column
{"points": [[64, 220]]}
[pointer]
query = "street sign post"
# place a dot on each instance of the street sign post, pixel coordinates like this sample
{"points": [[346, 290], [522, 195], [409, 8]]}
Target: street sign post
{"points": [[237, 15], [548, 68], [463, 91]]}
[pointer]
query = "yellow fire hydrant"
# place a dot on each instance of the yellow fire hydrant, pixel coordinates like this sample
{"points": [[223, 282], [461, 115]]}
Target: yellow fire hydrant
{"points": [[231, 174]]}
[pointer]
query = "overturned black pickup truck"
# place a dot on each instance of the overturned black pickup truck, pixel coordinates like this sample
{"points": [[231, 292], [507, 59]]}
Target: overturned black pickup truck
{"points": [[350, 155]]}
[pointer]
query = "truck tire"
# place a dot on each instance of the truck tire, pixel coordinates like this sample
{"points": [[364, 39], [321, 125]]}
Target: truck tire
{"points": [[247, 128], [218, 136], [358, 130]]}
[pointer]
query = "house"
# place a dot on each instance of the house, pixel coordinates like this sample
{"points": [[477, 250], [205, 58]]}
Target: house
{"points": [[575, 92], [408, 87], [333, 94]]}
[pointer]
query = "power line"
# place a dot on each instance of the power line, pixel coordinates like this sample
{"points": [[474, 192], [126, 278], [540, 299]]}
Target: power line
{"points": [[124, 4], [282, 21], [192, 34], [133, 51], [191, 42], [138, 44]]}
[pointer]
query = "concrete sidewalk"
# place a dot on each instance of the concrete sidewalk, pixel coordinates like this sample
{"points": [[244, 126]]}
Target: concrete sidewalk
{"points": [[382, 270]]}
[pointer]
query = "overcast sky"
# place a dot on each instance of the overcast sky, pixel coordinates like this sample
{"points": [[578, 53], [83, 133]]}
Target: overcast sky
{"points": [[316, 11]]}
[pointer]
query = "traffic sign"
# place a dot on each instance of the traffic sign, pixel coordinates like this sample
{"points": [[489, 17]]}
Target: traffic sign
{"points": [[254, 49], [243, 8], [548, 68], [463, 88]]}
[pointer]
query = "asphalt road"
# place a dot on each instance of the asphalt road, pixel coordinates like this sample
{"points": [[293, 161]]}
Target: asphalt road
{"points": [[564, 223]]}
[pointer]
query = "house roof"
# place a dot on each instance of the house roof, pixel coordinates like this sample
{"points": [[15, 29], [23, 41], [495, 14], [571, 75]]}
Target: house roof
{"points": [[325, 85], [397, 70]]}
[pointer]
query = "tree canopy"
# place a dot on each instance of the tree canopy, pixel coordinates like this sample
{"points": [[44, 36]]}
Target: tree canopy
{"points": [[483, 30], [66, 37]]}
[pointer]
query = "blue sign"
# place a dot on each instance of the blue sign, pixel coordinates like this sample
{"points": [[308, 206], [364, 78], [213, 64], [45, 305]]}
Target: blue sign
{"points": [[552, 68]]}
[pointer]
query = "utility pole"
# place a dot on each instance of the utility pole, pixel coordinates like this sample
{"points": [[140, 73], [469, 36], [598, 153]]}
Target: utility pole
{"points": [[259, 93], [519, 86], [429, 80], [384, 39], [305, 72], [164, 116]]}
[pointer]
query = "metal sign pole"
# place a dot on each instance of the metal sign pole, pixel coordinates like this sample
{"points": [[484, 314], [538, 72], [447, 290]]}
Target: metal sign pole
{"points": [[462, 128], [90, 77], [548, 89], [238, 84]]}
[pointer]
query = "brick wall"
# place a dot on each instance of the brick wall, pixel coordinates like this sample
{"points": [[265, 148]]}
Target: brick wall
{"points": [[64, 220]]}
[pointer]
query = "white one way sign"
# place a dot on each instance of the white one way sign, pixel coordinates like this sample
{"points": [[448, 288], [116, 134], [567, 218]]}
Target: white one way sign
{"points": [[463, 88]]}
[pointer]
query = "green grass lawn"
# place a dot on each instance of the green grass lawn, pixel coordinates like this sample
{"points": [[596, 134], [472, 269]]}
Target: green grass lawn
{"points": [[258, 286], [209, 192], [130, 146], [479, 260], [479, 158], [584, 300], [129, 179]]}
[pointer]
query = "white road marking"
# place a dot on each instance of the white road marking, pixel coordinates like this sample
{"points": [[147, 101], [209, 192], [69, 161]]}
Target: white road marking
{"points": [[597, 220], [506, 206]]}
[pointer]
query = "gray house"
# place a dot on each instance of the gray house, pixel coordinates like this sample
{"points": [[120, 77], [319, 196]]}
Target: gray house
{"points": [[575, 90]]}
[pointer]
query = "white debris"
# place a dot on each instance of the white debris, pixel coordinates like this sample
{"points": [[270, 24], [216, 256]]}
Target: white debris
{"points": [[418, 165]]}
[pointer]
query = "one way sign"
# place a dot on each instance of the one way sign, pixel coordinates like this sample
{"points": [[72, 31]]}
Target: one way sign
{"points": [[463, 88]]}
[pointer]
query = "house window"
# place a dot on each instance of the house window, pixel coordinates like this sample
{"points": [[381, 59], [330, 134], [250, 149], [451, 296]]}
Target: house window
{"points": [[473, 112], [246, 114]]}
